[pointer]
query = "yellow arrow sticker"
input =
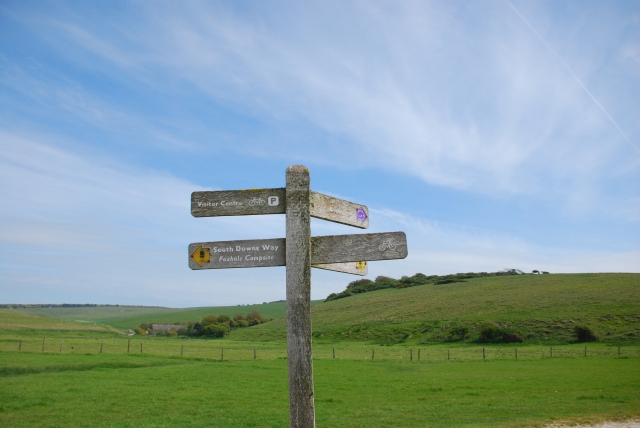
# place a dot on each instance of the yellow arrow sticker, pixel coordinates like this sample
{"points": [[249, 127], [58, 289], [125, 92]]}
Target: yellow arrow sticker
{"points": [[201, 255], [359, 265]]}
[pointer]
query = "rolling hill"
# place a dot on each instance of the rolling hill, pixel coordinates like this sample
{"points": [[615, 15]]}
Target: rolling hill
{"points": [[540, 307]]}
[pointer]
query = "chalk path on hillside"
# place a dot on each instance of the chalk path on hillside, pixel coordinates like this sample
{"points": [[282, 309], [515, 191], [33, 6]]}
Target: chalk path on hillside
{"points": [[625, 424]]}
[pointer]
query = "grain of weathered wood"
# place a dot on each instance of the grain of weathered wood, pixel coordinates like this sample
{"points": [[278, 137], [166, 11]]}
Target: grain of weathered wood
{"points": [[238, 254], [298, 256], [366, 246], [339, 210], [238, 202], [355, 268]]}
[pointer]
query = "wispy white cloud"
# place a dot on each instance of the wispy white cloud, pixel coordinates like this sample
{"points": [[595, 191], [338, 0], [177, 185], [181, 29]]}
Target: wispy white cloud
{"points": [[464, 96]]}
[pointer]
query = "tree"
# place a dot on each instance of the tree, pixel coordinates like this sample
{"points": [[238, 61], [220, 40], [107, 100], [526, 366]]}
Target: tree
{"points": [[209, 319], [215, 330], [255, 315], [582, 333]]}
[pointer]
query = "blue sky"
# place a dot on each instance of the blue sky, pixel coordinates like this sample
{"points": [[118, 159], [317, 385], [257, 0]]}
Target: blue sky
{"points": [[496, 134]]}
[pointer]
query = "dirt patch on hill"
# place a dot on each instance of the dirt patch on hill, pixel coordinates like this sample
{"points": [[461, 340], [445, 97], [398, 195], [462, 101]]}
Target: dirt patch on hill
{"points": [[632, 423]]}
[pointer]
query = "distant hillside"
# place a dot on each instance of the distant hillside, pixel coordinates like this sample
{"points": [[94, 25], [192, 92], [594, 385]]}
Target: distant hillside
{"points": [[541, 307], [14, 320], [129, 317]]}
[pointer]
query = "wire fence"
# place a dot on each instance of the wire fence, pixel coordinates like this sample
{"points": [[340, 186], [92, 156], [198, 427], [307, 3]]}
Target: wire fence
{"points": [[208, 349]]}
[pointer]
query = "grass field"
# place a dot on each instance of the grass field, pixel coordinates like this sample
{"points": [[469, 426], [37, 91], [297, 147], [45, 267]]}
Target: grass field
{"points": [[136, 390]]}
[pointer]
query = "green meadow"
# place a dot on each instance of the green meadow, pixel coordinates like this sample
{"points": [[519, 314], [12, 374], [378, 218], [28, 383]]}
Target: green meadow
{"points": [[380, 359]]}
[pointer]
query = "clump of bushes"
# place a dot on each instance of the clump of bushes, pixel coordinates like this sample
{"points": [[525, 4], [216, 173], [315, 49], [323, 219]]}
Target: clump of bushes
{"points": [[491, 333], [210, 326], [582, 333], [458, 333], [382, 282]]}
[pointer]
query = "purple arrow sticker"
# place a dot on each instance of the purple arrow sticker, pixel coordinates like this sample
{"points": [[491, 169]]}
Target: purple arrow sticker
{"points": [[361, 215]]}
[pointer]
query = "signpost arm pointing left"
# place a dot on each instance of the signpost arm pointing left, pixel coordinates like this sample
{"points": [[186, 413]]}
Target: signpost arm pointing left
{"points": [[298, 256]]}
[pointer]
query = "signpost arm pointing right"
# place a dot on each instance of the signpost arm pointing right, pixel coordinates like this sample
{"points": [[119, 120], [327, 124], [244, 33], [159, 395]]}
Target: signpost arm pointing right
{"points": [[298, 262]]}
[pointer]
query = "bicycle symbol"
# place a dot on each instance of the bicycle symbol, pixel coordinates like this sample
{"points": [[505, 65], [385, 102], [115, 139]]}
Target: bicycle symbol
{"points": [[256, 201], [387, 243]]}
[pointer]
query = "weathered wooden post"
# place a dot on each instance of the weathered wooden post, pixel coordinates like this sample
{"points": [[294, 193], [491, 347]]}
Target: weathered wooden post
{"points": [[101, 347], [516, 353], [182, 350], [411, 354], [44, 339], [298, 255], [141, 347], [254, 353], [585, 350], [61, 342], [418, 354], [373, 353], [333, 351], [448, 355], [20, 345], [128, 346], [222, 354], [483, 355], [550, 352]]}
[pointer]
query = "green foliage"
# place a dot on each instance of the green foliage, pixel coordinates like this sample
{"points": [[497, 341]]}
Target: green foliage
{"points": [[210, 319], [383, 282], [140, 331], [583, 333], [491, 333], [459, 332], [215, 330]]}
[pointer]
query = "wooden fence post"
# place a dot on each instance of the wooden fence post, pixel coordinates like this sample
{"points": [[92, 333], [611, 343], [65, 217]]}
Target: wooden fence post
{"points": [[61, 342], [254, 353], [44, 339], [20, 345], [411, 355], [550, 352], [298, 274], [333, 350], [128, 346], [483, 355], [448, 355], [182, 350], [585, 350], [516, 353], [618, 350], [418, 354], [222, 354], [141, 347], [101, 347]]}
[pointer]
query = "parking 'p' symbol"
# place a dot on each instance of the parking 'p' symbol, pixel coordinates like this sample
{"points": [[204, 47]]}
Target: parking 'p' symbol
{"points": [[273, 201]]}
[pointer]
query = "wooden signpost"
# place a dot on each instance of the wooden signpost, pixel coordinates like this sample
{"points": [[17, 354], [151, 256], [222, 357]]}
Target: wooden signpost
{"points": [[298, 251]]}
